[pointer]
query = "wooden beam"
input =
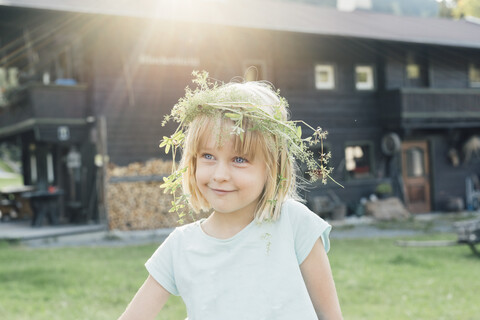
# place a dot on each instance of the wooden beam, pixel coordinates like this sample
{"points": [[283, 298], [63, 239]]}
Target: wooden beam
{"points": [[442, 115], [31, 123]]}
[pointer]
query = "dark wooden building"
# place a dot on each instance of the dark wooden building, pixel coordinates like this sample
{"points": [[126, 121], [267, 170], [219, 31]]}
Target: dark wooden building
{"points": [[400, 96]]}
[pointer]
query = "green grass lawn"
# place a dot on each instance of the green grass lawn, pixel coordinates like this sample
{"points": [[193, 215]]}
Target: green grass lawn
{"points": [[378, 280], [15, 181], [73, 283], [375, 280], [4, 167]]}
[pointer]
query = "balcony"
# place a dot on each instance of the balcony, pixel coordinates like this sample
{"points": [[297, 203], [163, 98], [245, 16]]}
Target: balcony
{"points": [[44, 107], [430, 108]]}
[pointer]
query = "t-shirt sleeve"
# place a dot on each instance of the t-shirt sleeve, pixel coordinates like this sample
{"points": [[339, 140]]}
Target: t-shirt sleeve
{"points": [[161, 264], [307, 228]]}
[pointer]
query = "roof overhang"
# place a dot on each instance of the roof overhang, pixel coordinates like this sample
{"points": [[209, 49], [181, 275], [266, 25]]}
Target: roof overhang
{"points": [[279, 16]]}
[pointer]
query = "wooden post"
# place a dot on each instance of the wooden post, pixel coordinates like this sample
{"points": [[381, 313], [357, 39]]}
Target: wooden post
{"points": [[102, 174]]}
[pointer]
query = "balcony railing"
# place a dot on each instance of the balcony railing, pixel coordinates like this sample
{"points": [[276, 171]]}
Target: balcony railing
{"points": [[40, 102], [430, 107]]}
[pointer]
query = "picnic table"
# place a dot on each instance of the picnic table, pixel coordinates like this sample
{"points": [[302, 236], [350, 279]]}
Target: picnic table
{"points": [[469, 233]]}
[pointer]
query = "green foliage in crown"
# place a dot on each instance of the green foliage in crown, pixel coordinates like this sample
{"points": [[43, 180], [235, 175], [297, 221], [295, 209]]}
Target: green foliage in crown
{"points": [[211, 99]]}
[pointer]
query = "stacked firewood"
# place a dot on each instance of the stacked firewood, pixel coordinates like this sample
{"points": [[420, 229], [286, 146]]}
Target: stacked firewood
{"points": [[135, 199], [149, 168]]}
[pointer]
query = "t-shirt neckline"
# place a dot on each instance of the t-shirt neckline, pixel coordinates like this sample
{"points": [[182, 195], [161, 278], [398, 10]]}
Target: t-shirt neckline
{"points": [[238, 235]]}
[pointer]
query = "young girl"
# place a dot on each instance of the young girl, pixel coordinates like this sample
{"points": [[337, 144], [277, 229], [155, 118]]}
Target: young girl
{"points": [[260, 254]]}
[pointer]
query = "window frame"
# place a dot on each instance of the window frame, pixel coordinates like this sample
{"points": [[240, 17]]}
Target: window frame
{"points": [[331, 69], [412, 61], [33, 168], [371, 154], [50, 167], [372, 83], [246, 64], [473, 65], [418, 71]]}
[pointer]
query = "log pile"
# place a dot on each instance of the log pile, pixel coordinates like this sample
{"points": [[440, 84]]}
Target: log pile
{"points": [[135, 199], [387, 209], [149, 168]]}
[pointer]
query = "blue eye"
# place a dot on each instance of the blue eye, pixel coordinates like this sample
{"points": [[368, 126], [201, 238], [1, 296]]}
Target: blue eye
{"points": [[240, 160], [207, 156]]}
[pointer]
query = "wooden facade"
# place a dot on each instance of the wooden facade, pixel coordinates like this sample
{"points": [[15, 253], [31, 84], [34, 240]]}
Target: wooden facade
{"points": [[132, 71]]}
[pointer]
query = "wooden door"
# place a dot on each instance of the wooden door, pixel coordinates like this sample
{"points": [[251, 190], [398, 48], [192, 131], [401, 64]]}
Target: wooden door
{"points": [[416, 176]]}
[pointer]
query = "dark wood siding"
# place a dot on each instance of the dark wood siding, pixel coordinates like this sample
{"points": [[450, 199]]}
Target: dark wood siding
{"points": [[394, 57], [134, 97], [448, 68], [348, 115], [448, 181]]}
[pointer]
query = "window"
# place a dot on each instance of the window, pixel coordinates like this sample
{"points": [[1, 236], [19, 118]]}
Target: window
{"points": [[254, 70], [358, 160], [416, 69], [324, 77], [33, 168], [413, 71], [413, 67], [50, 172], [471, 150], [415, 162], [474, 75], [364, 78]]}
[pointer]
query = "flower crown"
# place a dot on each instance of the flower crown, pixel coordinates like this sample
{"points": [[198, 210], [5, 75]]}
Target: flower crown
{"points": [[211, 99]]}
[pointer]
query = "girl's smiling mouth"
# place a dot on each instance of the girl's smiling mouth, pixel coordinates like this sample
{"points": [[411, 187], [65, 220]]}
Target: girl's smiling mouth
{"points": [[221, 191]]}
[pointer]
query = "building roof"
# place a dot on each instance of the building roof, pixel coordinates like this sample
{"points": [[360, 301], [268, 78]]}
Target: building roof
{"points": [[280, 16]]}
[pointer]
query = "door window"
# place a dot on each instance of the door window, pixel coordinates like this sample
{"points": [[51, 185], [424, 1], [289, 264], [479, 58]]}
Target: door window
{"points": [[415, 162]]}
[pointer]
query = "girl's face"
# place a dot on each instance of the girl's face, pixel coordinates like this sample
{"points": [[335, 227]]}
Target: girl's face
{"points": [[231, 183]]}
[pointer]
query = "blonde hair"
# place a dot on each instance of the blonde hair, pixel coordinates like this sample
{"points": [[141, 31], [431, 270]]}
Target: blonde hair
{"points": [[281, 169]]}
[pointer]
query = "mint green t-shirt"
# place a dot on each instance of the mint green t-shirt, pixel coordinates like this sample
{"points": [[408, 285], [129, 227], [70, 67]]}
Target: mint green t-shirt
{"points": [[253, 275]]}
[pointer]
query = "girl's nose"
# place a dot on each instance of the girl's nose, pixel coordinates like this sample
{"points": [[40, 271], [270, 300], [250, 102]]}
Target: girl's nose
{"points": [[221, 173]]}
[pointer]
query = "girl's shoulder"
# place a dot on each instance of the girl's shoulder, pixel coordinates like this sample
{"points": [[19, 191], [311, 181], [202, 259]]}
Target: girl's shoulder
{"points": [[298, 213], [307, 227], [187, 230], [294, 207]]}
